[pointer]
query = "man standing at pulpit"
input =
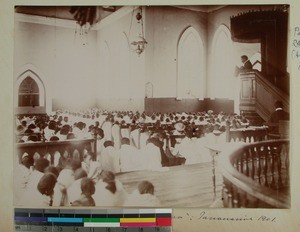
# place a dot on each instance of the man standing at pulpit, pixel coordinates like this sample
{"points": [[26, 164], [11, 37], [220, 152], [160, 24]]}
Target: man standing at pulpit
{"points": [[247, 65]]}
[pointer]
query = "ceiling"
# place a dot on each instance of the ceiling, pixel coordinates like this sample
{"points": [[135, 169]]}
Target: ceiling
{"points": [[62, 12]]}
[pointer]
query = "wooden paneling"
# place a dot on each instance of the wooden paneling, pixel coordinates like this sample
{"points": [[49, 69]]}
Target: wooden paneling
{"points": [[26, 110], [266, 95], [166, 105]]}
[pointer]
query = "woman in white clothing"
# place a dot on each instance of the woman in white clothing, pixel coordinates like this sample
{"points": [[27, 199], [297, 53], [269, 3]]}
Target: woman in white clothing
{"points": [[109, 158], [109, 192], [151, 156], [41, 195]]}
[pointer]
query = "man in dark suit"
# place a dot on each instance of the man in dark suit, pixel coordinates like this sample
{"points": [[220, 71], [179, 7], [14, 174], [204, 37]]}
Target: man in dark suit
{"points": [[247, 66], [276, 116]]}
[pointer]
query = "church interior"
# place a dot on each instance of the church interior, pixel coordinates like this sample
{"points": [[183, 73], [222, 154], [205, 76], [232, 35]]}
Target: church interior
{"points": [[152, 106]]}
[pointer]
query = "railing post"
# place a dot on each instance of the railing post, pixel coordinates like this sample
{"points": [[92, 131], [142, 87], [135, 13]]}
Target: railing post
{"points": [[262, 183]]}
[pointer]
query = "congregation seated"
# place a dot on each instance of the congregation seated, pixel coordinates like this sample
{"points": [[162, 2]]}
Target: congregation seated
{"points": [[153, 140]]}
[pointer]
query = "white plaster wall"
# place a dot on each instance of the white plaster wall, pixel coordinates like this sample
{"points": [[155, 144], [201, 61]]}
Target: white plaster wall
{"points": [[63, 63]]}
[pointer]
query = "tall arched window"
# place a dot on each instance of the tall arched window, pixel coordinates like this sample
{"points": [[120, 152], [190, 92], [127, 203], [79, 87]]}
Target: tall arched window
{"points": [[223, 64], [190, 73], [30, 90], [28, 93]]}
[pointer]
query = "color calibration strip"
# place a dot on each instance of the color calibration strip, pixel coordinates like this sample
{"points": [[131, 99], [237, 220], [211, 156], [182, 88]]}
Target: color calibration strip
{"points": [[102, 220]]}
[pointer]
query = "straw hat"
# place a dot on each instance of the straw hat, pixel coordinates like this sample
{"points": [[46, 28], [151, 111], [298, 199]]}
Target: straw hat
{"points": [[179, 126]]}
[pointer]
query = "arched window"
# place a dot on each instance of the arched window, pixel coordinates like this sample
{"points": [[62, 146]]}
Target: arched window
{"points": [[190, 58], [223, 64], [30, 90], [28, 93]]}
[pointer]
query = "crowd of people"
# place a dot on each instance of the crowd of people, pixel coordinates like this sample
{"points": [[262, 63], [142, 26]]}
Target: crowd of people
{"points": [[39, 184], [126, 141], [169, 139]]}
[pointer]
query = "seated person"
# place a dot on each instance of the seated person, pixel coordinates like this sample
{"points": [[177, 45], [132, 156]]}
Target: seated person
{"points": [[50, 130], [87, 190], [85, 163], [39, 168], [22, 175], [179, 132], [74, 190], [116, 135], [151, 156], [143, 196], [128, 156], [65, 179], [189, 149], [109, 191], [109, 158], [41, 195]]}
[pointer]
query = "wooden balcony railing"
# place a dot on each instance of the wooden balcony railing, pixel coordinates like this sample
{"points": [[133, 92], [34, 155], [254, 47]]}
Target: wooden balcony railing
{"points": [[69, 146], [250, 134], [256, 175]]}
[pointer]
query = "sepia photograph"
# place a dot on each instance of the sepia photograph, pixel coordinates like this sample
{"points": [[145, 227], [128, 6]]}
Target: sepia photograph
{"points": [[184, 106]]}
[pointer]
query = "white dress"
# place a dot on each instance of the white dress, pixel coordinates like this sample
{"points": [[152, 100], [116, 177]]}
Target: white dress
{"points": [[107, 129], [151, 157], [74, 191], [116, 135], [110, 159], [104, 197], [129, 158], [64, 180], [21, 178]]}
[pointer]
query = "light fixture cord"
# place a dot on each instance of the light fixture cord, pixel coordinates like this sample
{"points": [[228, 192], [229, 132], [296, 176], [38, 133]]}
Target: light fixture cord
{"points": [[131, 22], [142, 23]]}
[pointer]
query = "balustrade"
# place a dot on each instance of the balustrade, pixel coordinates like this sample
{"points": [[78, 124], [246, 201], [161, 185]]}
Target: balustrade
{"points": [[63, 147], [257, 175]]}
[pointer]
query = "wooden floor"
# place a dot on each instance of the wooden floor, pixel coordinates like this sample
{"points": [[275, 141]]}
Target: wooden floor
{"points": [[180, 186]]}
